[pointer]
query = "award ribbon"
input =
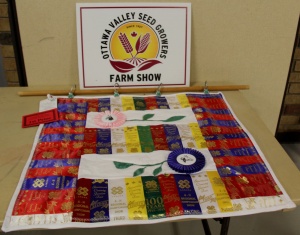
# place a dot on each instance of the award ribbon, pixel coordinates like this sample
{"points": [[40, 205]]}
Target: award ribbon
{"points": [[61, 137], [159, 137], [197, 135], [169, 192], [127, 103], [132, 139], [205, 194], [172, 137], [118, 206], [99, 201], [104, 141], [146, 140], [151, 103], [186, 160], [153, 197], [136, 199], [139, 103], [54, 163], [187, 194], [183, 100], [104, 104], [49, 182], [82, 202], [162, 102], [220, 191]]}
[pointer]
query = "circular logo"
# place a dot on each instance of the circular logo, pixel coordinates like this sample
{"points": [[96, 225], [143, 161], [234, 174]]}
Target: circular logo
{"points": [[134, 41], [134, 45], [186, 159]]}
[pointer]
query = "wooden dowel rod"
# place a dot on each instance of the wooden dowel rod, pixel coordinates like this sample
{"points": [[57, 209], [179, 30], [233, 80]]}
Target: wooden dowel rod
{"points": [[134, 90]]}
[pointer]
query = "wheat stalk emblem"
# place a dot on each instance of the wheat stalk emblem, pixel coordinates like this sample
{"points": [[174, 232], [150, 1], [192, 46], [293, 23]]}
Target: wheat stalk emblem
{"points": [[125, 43], [140, 46]]}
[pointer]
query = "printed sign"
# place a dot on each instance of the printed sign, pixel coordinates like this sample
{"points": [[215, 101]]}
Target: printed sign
{"points": [[36, 119], [133, 44]]}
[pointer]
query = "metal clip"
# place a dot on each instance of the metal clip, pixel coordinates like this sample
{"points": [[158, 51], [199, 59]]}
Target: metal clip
{"points": [[206, 91], [158, 93], [71, 93], [116, 93]]}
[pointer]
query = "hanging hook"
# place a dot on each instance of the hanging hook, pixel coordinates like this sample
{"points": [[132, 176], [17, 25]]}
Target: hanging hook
{"points": [[206, 91], [50, 97], [116, 93], [71, 93], [158, 93]]}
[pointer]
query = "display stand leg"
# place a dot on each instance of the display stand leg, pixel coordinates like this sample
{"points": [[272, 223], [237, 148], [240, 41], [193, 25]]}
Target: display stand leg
{"points": [[224, 225], [206, 227]]}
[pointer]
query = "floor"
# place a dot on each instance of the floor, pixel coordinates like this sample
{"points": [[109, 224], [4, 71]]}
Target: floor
{"points": [[275, 223]]}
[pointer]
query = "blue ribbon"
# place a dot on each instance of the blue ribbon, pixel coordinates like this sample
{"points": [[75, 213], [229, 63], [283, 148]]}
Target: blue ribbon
{"points": [[99, 201], [212, 122], [246, 151], [212, 111], [72, 107], [49, 183], [54, 163], [257, 168], [103, 141], [226, 136], [103, 104], [187, 194], [173, 137], [205, 96], [65, 123], [162, 102]]}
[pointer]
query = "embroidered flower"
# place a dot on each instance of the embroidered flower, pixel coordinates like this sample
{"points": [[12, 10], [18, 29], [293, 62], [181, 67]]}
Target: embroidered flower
{"points": [[109, 119]]}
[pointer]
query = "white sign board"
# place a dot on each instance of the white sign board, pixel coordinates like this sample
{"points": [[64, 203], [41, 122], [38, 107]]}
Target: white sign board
{"points": [[133, 44]]}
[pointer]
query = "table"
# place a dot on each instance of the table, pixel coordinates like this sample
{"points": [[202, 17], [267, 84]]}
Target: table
{"points": [[16, 143]]}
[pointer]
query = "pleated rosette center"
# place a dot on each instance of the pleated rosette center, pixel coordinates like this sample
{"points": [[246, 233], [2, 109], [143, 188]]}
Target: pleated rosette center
{"points": [[110, 119]]}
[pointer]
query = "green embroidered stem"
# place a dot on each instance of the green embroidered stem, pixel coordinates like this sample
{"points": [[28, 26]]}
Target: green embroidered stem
{"points": [[139, 171], [146, 117], [151, 164]]}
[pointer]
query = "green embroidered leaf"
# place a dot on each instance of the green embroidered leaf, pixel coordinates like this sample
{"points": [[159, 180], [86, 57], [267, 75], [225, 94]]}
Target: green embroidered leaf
{"points": [[138, 172], [147, 116], [157, 171], [174, 118], [122, 165]]}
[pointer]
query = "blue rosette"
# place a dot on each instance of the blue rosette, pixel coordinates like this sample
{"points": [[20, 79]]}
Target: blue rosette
{"points": [[186, 160]]}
